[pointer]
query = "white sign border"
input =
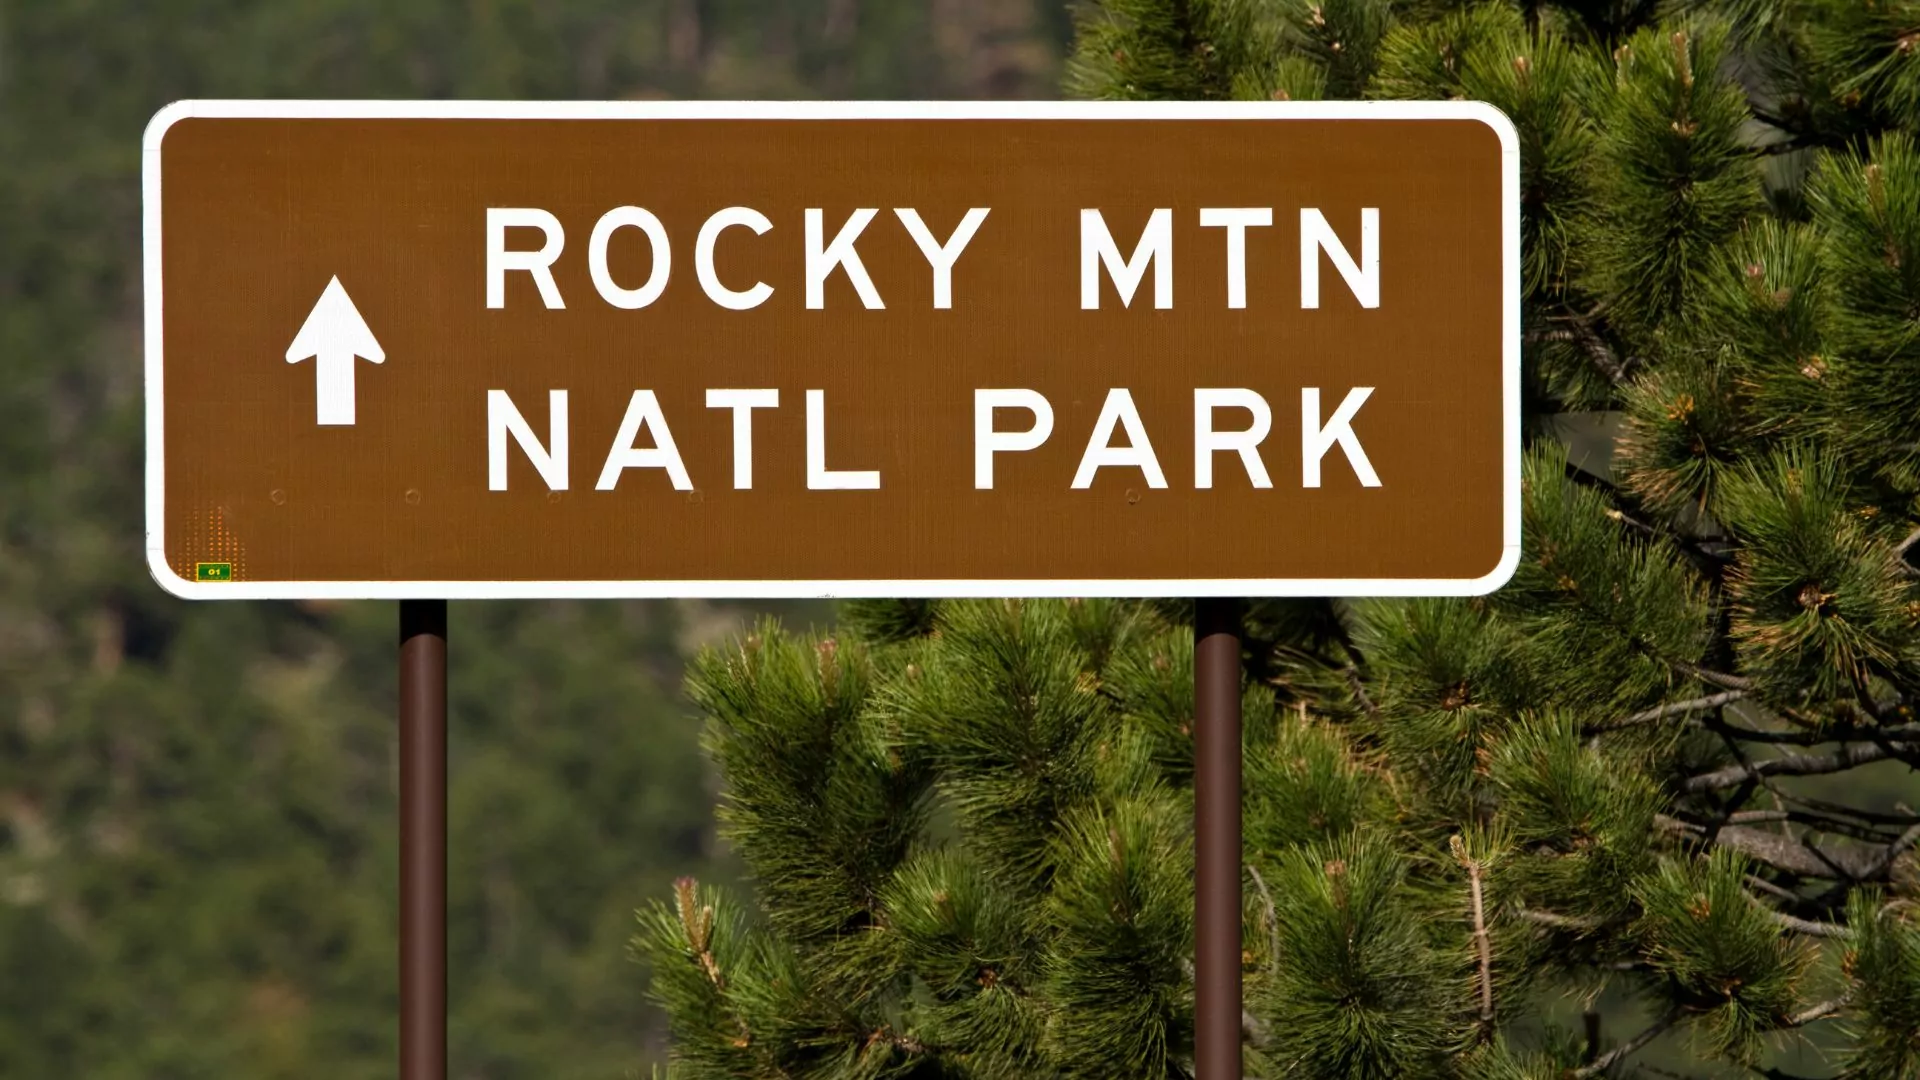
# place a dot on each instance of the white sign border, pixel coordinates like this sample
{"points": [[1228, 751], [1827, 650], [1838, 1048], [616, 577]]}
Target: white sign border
{"points": [[833, 110]]}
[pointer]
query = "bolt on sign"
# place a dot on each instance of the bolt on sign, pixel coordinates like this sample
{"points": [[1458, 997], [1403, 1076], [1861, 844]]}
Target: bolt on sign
{"points": [[786, 349]]}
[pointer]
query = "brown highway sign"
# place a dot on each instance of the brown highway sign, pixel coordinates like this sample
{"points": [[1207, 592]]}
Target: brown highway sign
{"points": [[623, 349]]}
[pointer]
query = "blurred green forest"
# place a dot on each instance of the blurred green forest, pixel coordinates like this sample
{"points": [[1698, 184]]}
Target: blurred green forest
{"points": [[197, 802]]}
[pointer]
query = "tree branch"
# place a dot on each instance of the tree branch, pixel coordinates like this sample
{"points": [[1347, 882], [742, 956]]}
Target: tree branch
{"points": [[1841, 810], [1818, 1012], [1784, 852], [1717, 678], [1711, 701], [1812, 820], [1815, 737], [1273, 920], [1481, 941], [1252, 1031], [1806, 926], [1907, 839], [1807, 737], [1360, 689], [1632, 1046], [1775, 891], [1845, 758], [1557, 921], [1598, 351]]}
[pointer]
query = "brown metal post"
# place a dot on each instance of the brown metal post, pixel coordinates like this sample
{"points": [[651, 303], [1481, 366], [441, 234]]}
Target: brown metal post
{"points": [[423, 840], [1216, 826]]}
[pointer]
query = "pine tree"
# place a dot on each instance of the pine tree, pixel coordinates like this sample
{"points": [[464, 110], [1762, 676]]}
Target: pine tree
{"points": [[1665, 775]]}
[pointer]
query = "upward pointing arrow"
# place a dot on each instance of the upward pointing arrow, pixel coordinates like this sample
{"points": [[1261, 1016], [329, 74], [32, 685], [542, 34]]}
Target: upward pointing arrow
{"points": [[333, 335]]}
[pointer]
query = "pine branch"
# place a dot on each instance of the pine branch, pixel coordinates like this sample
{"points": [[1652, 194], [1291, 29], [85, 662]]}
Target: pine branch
{"points": [[1755, 817], [1782, 852], [1817, 1012], [1627, 1049], [1900, 553], [1775, 891], [1252, 1032], [1717, 678], [1775, 120], [1588, 338], [1898, 734], [884, 1035], [1873, 816], [1482, 943], [1848, 733], [1848, 757], [1555, 920], [1273, 920], [1808, 927], [1614, 513], [1885, 860], [1895, 747], [1816, 821], [1360, 689], [1711, 701]]}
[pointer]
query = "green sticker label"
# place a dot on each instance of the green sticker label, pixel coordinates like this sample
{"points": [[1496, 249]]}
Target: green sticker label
{"points": [[213, 571]]}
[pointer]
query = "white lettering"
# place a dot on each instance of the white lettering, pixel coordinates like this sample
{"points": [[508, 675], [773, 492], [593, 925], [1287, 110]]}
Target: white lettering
{"points": [[634, 216], [538, 263], [643, 410], [1236, 222], [745, 217], [819, 477], [1155, 248], [1207, 441], [1138, 453], [987, 441], [743, 402], [1316, 441], [942, 256], [1317, 236], [503, 418], [821, 259]]}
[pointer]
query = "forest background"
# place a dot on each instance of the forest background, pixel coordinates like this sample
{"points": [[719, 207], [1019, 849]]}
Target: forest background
{"points": [[198, 849], [197, 802]]}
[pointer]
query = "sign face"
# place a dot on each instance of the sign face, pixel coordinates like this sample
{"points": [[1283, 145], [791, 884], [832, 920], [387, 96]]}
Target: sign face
{"points": [[472, 350]]}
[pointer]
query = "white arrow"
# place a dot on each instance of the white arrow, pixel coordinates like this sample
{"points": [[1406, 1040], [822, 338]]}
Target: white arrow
{"points": [[333, 335]]}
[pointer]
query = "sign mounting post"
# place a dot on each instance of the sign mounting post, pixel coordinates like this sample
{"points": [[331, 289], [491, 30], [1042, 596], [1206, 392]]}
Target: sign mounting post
{"points": [[791, 349], [423, 839], [1216, 835]]}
